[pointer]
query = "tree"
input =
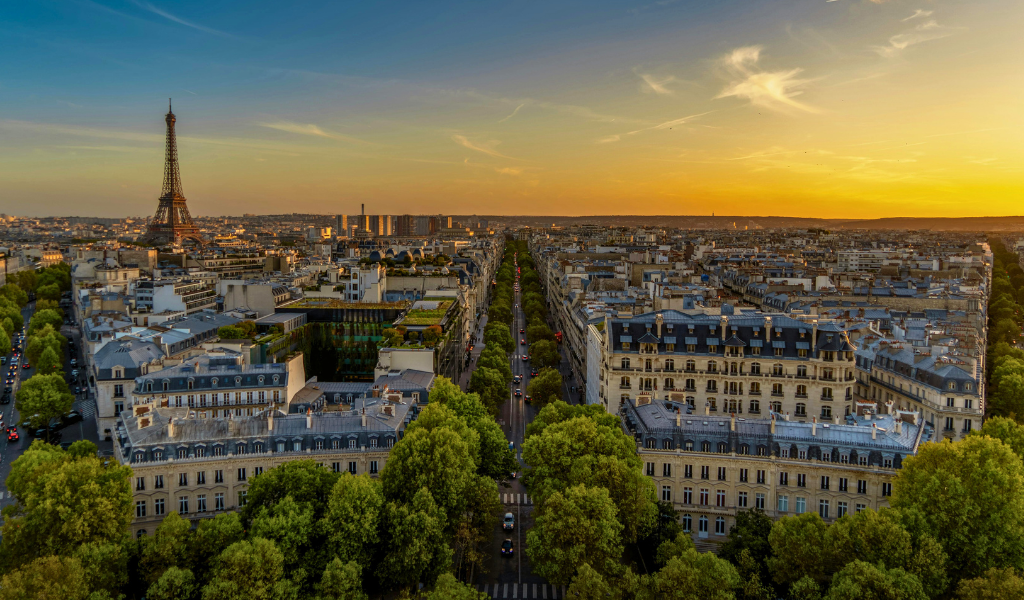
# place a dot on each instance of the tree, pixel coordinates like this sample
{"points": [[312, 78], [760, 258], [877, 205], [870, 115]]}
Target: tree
{"points": [[353, 517], [63, 502], [572, 528], [48, 362], [42, 318], [174, 584], [5, 341], [546, 387], [48, 292], [558, 412], [495, 358], [970, 496], [491, 386], [1008, 431], [859, 580], [211, 538], [14, 294], [417, 547], [341, 581], [544, 354], [696, 575], [995, 584], [250, 569], [498, 334], [590, 585], [45, 304], [44, 398], [538, 332], [450, 588], [167, 547], [46, 578], [230, 332], [46, 337], [432, 335], [750, 534], [673, 548], [306, 481], [290, 525], [799, 548]]}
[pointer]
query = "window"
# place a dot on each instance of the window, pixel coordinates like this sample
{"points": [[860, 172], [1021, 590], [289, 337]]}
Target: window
{"points": [[741, 499], [352, 467], [743, 475], [158, 506], [783, 478], [158, 482], [823, 509], [702, 524], [688, 471], [759, 501], [801, 409], [801, 371], [705, 471], [257, 471], [140, 484], [825, 482], [183, 505], [886, 489], [218, 476], [841, 510], [666, 493], [373, 442], [761, 475], [624, 383], [826, 413], [241, 474], [650, 469], [861, 507], [140, 509], [862, 486], [336, 467], [783, 503], [182, 479], [844, 484], [705, 495], [720, 525], [721, 473], [666, 470], [967, 425], [801, 480], [201, 478], [625, 363], [218, 501], [201, 503], [777, 391], [720, 498], [118, 390], [687, 523], [241, 498], [687, 495], [373, 466], [801, 505]]}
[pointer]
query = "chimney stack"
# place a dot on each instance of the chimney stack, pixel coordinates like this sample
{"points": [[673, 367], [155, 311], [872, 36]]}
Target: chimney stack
{"points": [[814, 426], [170, 428], [732, 421], [773, 424], [270, 418], [899, 426], [679, 420], [874, 431], [364, 416], [707, 408], [309, 418]]}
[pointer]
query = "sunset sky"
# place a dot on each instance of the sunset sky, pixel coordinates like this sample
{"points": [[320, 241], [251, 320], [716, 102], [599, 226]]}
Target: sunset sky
{"points": [[826, 108]]}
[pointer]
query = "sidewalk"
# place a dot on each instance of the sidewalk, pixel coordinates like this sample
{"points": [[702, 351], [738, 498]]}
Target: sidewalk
{"points": [[475, 354]]}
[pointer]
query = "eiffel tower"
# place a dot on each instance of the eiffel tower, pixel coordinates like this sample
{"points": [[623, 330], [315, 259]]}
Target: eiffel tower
{"points": [[172, 222]]}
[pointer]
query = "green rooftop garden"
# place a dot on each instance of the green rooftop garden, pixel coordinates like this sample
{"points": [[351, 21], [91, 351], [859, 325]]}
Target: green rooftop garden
{"points": [[422, 316], [339, 303]]}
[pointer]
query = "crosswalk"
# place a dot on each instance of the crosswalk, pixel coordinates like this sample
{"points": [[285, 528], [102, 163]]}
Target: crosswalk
{"points": [[86, 408], [529, 591], [516, 499]]}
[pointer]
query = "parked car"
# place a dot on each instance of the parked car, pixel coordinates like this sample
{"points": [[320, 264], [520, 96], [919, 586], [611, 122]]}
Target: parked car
{"points": [[28, 366], [12, 434], [74, 362], [528, 398], [74, 372], [509, 523], [507, 547], [71, 417]]}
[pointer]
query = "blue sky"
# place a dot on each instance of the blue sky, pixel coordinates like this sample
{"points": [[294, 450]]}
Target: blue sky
{"points": [[539, 107]]}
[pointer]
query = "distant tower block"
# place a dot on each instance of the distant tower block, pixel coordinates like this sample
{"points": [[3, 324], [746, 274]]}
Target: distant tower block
{"points": [[172, 222]]}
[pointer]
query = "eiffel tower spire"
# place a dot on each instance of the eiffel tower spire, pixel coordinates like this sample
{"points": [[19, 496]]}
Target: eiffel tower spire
{"points": [[172, 222]]}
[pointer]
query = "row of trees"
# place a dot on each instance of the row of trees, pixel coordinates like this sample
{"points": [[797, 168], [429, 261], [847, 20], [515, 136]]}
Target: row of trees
{"points": [[955, 528], [47, 283], [305, 531], [493, 375], [1005, 393]]}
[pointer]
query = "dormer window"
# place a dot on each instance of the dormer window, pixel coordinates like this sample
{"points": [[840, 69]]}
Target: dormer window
{"points": [[213, 382], [238, 380], [149, 386], [118, 373], [166, 385], [952, 385], [191, 384], [967, 387], [260, 380], [276, 379]]}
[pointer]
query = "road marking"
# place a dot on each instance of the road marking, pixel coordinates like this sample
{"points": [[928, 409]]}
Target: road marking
{"points": [[504, 592], [544, 591], [535, 590], [517, 499], [515, 590]]}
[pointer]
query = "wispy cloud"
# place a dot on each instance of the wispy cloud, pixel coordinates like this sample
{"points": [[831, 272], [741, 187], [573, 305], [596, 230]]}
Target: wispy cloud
{"points": [[774, 90], [672, 123], [655, 84], [929, 30], [180, 21], [522, 104], [309, 129], [609, 139], [516, 171], [485, 148], [919, 13]]}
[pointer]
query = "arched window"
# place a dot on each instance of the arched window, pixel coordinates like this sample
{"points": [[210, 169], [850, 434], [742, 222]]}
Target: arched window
{"points": [[213, 382], [801, 391], [801, 371], [624, 382], [260, 380], [141, 533], [691, 365], [670, 383], [691, 385], [712, 366], [276, 379], [149, 386], [778, 370], [801, 409], [755, 368], [670, 365], [687, 523], [191, 383]]}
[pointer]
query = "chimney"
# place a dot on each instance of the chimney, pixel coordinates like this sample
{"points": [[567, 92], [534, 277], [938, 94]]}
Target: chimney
{"points": [[364, 416], [679, 420], [773, 424], [835, 419], [874, 431], [707, 408], [768, 333], [170, 428], [270, 418], [786, 416], [814, 426], [732, 421], [309, 418], [899, 426], [814, 339], [658, 321]]}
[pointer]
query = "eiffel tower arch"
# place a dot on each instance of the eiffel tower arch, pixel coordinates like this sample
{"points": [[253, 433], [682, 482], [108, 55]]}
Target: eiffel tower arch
{"points": [[172, 222]]}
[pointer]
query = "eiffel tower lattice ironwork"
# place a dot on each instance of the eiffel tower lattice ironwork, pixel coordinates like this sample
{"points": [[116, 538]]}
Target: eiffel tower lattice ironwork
{"points": [[172, 222]]}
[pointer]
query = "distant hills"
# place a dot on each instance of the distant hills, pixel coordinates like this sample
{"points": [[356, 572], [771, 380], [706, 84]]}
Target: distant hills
{"points": [[741, 222]]}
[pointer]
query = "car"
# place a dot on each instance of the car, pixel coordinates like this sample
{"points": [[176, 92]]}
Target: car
{"points": [[522, 341], [534, 373], [507, 547], [74, 362], [525, 358], [78, 390], [48, 435], [509, 523], [69, 418], [12, 434], [528, 398], [28, 366], [519, 392], [511, 445], [521, 330], [3, 360], [74, 372]]}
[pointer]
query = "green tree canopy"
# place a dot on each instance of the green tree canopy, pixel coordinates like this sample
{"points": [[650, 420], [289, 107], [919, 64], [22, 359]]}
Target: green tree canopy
{"points": [[417, 547], [46, 578], [995, 584], [544, 354], [48, 362], [696, 575], [250, 569], [546, 387], [860, 580], [14, 294], [353, 519], [42, 318], [43, 398]]}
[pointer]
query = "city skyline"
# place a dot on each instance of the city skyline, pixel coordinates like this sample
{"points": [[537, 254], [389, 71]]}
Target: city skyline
{"points": [[826, 109]]}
